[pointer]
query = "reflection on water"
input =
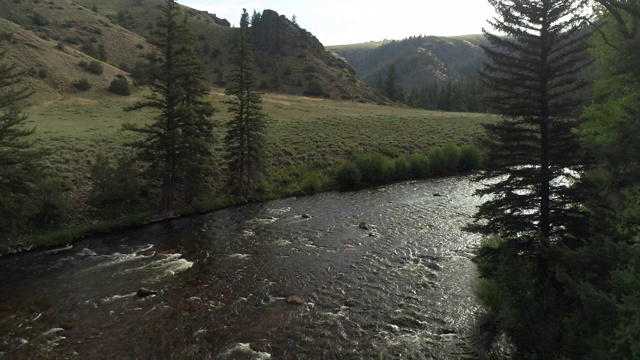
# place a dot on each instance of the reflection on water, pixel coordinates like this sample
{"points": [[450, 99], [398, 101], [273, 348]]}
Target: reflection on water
{"points": [[258, 282]]}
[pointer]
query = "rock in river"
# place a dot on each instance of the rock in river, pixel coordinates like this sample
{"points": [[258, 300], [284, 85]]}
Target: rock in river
{"points": [[144, 292], [295, 300], [364, 226]]}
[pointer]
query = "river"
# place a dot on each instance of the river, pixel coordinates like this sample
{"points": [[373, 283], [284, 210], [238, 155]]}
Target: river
{"points": [[401, 290]]}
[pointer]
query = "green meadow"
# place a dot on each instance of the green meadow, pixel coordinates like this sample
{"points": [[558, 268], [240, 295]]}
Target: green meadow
{"points": [[303, 132], [308, 140]]}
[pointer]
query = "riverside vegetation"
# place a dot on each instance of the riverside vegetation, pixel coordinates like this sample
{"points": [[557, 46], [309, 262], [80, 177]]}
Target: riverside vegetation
{"points": [[307, 140], [102, 178]]}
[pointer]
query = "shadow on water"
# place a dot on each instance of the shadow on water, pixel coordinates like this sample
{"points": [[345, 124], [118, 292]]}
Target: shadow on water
{"points": [[259, 281]]}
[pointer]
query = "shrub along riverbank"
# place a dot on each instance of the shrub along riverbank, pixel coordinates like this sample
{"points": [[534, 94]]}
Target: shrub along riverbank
{"points": [[309, 142]]}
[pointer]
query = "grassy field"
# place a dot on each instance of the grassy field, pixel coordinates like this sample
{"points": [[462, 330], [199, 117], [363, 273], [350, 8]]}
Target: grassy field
{"points": [[308, 139], [303, 132]]}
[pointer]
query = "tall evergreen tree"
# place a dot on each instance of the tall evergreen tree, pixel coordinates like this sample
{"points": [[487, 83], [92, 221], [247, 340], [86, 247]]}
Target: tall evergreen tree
{"points": [[176, 147], [532, 80], [534, 158], [391, 83], [28, 196], [245, 140], [17, 159]]}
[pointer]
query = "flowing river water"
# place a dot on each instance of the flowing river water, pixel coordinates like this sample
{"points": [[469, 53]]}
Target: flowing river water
{"points": [[401, 290]]}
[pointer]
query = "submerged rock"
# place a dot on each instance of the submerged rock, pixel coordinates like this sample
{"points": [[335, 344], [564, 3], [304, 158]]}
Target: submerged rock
{"points": [[144, 292], [260, 347], [364, 226], [305, 216], [295, 300]]}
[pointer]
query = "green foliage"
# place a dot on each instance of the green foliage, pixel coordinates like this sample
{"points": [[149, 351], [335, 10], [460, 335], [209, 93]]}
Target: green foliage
{"points": [[451, 155], [82, 85], [120, 86], [126, 19], [558, 279], [315, 88], [102, 52], [403, 168], [377, 169], [27, 197], [348, 175], [89, 49], [390, 83], [141, 72], [245, 141], [420, 168], [313, 182], [51, 208], [115, 186], [176, 148], [470, 158], [95, 67], [39, 19], [536, 141], [437, 162]]}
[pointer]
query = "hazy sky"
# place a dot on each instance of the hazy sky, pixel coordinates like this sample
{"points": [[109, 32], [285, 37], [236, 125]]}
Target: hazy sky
{"points": [[336, 22]]}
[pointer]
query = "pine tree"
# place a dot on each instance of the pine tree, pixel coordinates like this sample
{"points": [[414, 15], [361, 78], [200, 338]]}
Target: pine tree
{"points": [[176, 147], [245, 140], [20, 162], [532, 79], [534, 157], [390, 83]]}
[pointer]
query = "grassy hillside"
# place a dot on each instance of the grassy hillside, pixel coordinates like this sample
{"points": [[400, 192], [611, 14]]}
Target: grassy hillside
{"points": [[288, 58], [304, 133], [418, 60]]}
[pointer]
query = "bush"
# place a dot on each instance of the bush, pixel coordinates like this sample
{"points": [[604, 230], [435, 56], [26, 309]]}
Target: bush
{"points": [[52, 206], [120, 86], [313, 182], [470, 158], [95, 67], [315, 88], [114, 186], [83, 64], [403, 168], [437, 162], [89, 49], [451, 155], [348, 176], [140, 72], [39, 19], [82, 84], [372, 168], [419, 166]]}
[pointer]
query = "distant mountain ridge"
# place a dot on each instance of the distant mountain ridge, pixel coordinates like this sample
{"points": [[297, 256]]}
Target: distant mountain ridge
{"points": [[418, 60]]}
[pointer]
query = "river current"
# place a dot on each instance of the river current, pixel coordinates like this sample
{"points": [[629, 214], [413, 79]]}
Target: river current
{"points": [[229, 283]]}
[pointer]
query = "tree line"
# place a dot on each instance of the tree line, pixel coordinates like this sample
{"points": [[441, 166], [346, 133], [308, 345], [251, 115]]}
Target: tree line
{"points": [[560, 262], [456, 96]]}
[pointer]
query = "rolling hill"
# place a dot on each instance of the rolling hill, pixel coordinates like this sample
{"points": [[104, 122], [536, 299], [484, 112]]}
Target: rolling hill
{"points": [[52, 38], [418, 60]]}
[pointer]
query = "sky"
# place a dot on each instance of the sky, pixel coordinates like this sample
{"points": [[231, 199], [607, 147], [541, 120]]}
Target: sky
{"points": [[339, 22]]}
